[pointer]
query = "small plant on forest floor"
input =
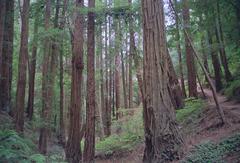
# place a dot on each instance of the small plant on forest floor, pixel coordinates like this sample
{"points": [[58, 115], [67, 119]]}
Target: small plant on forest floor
{"points": [[211, 152], [193, 107]]}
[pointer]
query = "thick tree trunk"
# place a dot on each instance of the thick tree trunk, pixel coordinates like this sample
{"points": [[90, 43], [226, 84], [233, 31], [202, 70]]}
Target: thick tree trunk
{"points": [[32, 70], [73, 148], [216, 64], [22, 69], [192, 82], [49, 74], [162, 138], [174, 87], [46, 102], [6, 55], [2, 21], [89, 146]]}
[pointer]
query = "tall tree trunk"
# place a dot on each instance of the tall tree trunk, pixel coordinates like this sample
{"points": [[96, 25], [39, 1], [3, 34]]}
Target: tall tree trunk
{"points": [[216, 64], [6, 55], [124, 81], [2, 20], [22, 68], [73, 149], [89, 146], [100, 84], [192, 82], [174, 87], [179, 51], [117, 68], [130, 78], [162, 138], [106, 112], [49, 74], [220, 39], [32, 70], [61, 83], [106, 104]]}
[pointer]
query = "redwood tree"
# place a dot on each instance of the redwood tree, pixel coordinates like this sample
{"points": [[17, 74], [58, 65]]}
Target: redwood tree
{"points": [[49, 73], [162, 138], [6, 54], [89, 146], [32, 69], [22, 68], [192, 82], [73, 148]]}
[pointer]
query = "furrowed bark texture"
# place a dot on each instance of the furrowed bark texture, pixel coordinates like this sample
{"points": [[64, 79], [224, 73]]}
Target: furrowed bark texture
{"points": [[192, 82], [162, 138], [89, 146], [73, 148], [22, 69]]}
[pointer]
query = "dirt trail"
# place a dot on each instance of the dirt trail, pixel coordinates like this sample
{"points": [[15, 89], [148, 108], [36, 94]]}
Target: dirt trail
{"points": [[207, 128]]}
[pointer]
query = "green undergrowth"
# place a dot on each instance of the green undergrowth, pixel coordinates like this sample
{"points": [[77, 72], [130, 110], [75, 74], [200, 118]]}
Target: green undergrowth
{"points": [[131, 132], [210, 152], [193, 107], [14, 148], [232, 90]]}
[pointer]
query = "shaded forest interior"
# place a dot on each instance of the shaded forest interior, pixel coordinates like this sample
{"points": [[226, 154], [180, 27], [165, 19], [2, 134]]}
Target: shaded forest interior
{"points": [[104, 81]]}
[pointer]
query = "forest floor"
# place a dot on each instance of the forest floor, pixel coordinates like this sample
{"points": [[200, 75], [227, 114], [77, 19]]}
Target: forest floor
{"points": [[205, 128]]}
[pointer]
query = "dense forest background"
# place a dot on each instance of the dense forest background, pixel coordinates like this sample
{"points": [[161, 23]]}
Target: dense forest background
{"points": [[119, 80]]}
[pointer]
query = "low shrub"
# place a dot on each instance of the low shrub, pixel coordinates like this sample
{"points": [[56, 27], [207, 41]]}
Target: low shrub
{"points": [[192, 109], [211, 152]]}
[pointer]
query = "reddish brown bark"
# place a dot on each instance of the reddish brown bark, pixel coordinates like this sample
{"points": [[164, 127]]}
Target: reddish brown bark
{"points": [[174, 87], [32, 70], [49, 74], [73, 148], [162, 138], [6, 55], [192, 83], [22, 69], [89, 146]]}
